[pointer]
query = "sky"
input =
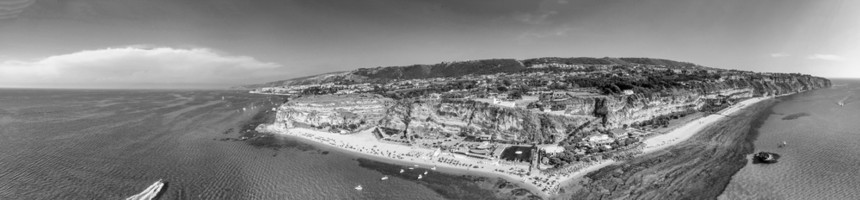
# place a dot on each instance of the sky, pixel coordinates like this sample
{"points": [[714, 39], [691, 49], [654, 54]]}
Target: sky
{"points": [[223, 43]]}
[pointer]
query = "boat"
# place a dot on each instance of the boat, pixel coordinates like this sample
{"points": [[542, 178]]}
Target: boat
{"points": [[425, 172], [419, 176], [434, 168], [151, 192], [411, 168], [401, 171], [782, 144], [765, 157], [359, 188], [384, 178]]}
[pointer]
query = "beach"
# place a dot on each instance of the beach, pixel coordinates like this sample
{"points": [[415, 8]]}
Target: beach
{"points": [[366, 144], [690, 129], [544, 184]]}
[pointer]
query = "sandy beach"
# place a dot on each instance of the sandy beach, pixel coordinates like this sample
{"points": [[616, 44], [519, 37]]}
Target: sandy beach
{"points": [[365, 143], [686, 131], [543, 183]]}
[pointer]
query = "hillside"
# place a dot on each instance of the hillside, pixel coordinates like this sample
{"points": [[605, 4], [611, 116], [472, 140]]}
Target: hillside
{"points": [[588, 109], [475, 67]]}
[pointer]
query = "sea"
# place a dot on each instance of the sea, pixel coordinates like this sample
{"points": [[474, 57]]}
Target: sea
{"points": [[821, 158], [111, 144]]}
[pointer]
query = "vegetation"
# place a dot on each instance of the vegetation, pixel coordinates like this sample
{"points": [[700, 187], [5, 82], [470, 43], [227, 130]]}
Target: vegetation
{"points": [[453, 69]]}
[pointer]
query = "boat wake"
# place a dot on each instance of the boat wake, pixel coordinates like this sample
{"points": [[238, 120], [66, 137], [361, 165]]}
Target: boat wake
{"points": [[844, 100], [154, 191]]}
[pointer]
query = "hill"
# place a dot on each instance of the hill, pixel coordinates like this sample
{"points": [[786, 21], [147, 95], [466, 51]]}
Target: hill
{"points": [[478, 67]]}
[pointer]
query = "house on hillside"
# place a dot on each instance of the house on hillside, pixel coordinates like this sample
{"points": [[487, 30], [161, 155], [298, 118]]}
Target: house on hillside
{"points": [[627, 92], [599, 139], [618, 133], [553, 96]]}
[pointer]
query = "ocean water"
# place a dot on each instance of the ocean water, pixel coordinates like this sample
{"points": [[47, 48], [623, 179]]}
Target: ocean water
{"points": [[822, 158], [110, 144]]}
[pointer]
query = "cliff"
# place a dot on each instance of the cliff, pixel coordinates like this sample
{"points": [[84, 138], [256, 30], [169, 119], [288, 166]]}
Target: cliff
{"points": [[335, 112], [441, 117]]}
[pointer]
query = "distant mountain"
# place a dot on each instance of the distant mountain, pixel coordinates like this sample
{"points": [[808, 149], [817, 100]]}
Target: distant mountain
{"points": [[474, 67]]}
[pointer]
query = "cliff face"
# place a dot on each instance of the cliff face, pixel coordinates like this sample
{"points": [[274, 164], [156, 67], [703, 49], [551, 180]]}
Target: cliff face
{"points": [[438, 118], [637, 108], [431, 118], [345, 112]]}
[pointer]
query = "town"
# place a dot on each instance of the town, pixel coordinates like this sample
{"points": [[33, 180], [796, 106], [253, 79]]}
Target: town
{"points": [[547, 85], [574, 125]]}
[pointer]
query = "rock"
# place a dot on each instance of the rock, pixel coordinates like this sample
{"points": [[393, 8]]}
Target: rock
{"points": [[439, 118]]}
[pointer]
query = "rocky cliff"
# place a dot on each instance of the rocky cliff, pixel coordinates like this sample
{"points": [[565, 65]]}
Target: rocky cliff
{"points": [[335, 112], [437, 118]]}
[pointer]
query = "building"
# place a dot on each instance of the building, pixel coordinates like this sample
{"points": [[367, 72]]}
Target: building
{"points": [[618, 133], [600, 139], [627, 92], [553, 96], [552, 149]]}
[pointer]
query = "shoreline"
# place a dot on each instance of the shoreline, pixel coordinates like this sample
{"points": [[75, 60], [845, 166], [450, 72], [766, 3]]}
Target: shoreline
{"points": [[688, 130], [694, 169], [364, 144]]}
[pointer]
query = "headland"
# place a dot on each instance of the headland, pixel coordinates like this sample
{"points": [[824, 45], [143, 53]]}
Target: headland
{"points": [[543, 123], [541, 183]]}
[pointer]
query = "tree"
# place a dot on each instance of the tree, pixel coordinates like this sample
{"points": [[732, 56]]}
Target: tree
{"points": [[516, 94]]}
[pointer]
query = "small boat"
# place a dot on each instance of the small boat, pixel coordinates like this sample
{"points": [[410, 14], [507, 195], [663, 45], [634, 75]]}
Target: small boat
{"points": [[401, 171], [411, 168], [359, 188], [425, 172], [150, 192], [384, 178], [765, 157], [782, 144], [419, 177], [434, 168]]}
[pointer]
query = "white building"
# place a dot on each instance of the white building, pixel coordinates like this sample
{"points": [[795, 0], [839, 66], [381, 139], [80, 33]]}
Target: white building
{"points": [[600, 139], [553, 149], [628, 92]]}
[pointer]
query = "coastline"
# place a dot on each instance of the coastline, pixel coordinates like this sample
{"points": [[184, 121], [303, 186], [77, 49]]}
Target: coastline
{"points": [[364, 144], [690, 129], [697, 168], [673, 137]]}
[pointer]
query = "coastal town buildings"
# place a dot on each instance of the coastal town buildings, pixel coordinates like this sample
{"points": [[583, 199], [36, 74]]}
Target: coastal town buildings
{"points": [[551, 113]]}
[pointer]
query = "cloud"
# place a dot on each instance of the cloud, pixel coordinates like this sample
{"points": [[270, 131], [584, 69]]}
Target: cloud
{"points": [[10, 9], [779, 55], [137, 67], [827, 57]]}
